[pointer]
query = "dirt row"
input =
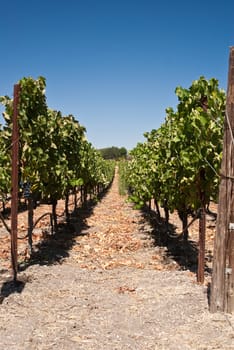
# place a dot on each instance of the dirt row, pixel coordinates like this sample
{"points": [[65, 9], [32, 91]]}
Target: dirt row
{"points": [[107, 280]]}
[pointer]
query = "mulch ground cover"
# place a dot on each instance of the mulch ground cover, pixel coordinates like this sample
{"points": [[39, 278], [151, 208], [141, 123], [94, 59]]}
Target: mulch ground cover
{"points": [[108, 280]]}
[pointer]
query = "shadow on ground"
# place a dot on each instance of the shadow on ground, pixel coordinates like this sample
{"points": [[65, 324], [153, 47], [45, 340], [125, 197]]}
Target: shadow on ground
{"points": [[9, 287], [184, 252], [55, 247]]}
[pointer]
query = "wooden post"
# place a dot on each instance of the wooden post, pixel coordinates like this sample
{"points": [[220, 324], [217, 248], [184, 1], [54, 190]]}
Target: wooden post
{"points": [[222, 286], [202, 230], [201, 251], [14, 182], [230, 259]]}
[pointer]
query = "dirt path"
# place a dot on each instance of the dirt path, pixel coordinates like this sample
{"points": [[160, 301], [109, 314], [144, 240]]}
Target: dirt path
{"points": [[111, 289]]}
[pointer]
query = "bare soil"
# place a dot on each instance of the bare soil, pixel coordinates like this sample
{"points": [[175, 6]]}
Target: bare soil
{"points": [[109, 280]]}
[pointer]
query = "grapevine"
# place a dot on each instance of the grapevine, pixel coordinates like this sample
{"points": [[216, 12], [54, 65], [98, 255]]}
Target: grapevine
{"points": [[178, 164], [55, 157]]}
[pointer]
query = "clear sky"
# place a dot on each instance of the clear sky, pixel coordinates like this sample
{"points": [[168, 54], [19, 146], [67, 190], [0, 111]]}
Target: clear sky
{"points": [[115, 64]]}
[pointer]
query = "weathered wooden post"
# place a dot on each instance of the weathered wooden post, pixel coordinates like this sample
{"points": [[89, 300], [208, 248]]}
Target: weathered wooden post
{"points": [[222, 286], [201, 251], [14, 182], [202, 232]]}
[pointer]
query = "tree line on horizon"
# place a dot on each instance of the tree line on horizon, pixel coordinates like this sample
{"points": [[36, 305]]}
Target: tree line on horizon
{"points": [[113, 153]]}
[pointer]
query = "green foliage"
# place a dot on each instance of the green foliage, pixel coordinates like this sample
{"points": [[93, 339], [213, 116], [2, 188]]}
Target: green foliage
{"points": [[5, 173], [178, 163], [54, 155], [123, 175]]}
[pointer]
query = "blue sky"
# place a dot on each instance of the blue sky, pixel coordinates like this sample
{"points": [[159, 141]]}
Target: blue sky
{"points": [[115, 64]]}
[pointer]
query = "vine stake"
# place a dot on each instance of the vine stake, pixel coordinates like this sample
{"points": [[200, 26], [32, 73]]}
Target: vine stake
{"points": [[14, 181], [222, 286]]}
